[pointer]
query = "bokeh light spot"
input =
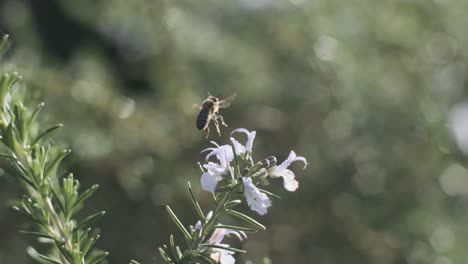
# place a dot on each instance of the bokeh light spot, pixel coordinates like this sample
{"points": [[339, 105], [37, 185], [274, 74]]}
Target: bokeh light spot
{"points": [[442, 239], [326, 47], [454, 180]]}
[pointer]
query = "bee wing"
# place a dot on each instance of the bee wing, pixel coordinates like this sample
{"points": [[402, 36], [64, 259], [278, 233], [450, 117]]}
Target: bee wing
{"points": [[227, 101], [196, 106]]}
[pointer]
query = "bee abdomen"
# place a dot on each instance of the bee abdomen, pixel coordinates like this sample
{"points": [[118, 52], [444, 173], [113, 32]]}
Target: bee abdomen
{"points": [[202, 118]]}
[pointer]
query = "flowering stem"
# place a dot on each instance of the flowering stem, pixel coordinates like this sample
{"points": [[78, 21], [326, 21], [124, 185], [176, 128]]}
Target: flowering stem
{"points": [[225, 181], [219, 208]]}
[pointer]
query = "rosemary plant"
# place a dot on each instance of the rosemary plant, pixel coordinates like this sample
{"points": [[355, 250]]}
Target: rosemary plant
{"points": [[50, 201], [230, 174], [232, 177]]}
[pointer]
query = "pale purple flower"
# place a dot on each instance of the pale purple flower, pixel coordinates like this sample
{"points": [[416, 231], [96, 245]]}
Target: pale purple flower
{"points": [[282, 170], [239, 148], [219, 234], [215, 171], [213, 175], [257, 201], [222, 256], [225, 151]]}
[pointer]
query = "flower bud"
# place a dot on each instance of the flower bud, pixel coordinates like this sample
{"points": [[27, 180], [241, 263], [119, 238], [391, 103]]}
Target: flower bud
{"points": [[268, 162], [262, 174], [264, 164]]}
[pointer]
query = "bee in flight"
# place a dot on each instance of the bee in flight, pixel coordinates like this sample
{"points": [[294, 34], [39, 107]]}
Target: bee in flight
{"points": [[209, 110]]}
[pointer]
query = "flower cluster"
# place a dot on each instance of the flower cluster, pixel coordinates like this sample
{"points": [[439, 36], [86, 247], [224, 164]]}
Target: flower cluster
{"points": [[223, 169], [230, 174]]}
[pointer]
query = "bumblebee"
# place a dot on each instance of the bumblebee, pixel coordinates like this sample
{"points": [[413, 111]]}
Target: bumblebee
{"points": [[209, 110]]}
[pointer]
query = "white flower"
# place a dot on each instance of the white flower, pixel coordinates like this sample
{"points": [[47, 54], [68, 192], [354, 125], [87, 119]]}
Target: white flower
{"points": [[239, 148], [215, 171], [219, 234], [212, 176], [282, 170], [257, 201], [222, 256], [221, 152]]}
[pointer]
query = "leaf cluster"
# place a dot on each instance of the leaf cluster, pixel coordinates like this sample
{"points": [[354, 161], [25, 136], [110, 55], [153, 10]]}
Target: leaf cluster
{"points": [[51, 201]]}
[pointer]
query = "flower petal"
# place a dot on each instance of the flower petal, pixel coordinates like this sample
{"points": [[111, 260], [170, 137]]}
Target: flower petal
{"points": [[223, 256], [250, 137], [257, 201], [226, 258], [214, 168], [291, 158], [238, 147], [198, 225], [290, 182], [209, 181], [217, 236], [242, 130], [239, 234]]}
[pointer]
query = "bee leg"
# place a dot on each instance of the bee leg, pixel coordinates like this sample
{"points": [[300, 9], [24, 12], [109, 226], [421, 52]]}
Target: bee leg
{"points": [[207, 131], [215, 119], [222, 120]]}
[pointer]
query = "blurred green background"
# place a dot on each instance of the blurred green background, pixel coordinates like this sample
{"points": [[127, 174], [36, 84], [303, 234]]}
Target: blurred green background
{"points": [[371, 92]]}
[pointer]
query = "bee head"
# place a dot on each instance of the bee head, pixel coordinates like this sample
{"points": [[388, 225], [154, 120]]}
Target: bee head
{"points": [[208, 103], [212, 98]]}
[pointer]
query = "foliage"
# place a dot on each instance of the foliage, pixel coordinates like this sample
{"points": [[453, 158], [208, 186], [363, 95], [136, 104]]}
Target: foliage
{"points": [[51, 201]]}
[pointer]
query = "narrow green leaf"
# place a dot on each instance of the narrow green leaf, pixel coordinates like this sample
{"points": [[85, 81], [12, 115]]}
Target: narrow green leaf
{"points": [[63, 250], [82, 236], [57, 197], [90, 219], [19, 111], [164, 255], [10, 138], [33, 116], [53, 165], [85, 195], [35, 234], [237, 228], [49, 259], [8, 156], [41, 258], [206, 258], [98, 257], [225, 248], [45, 133], [233, 203], [200, 167], [4, 43], [269, 193], [23, 173], [196, 205], [178, 252], [246, 218], [134, 262], [179, 224], [27, 214], [173, 250], [89, 244]]}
